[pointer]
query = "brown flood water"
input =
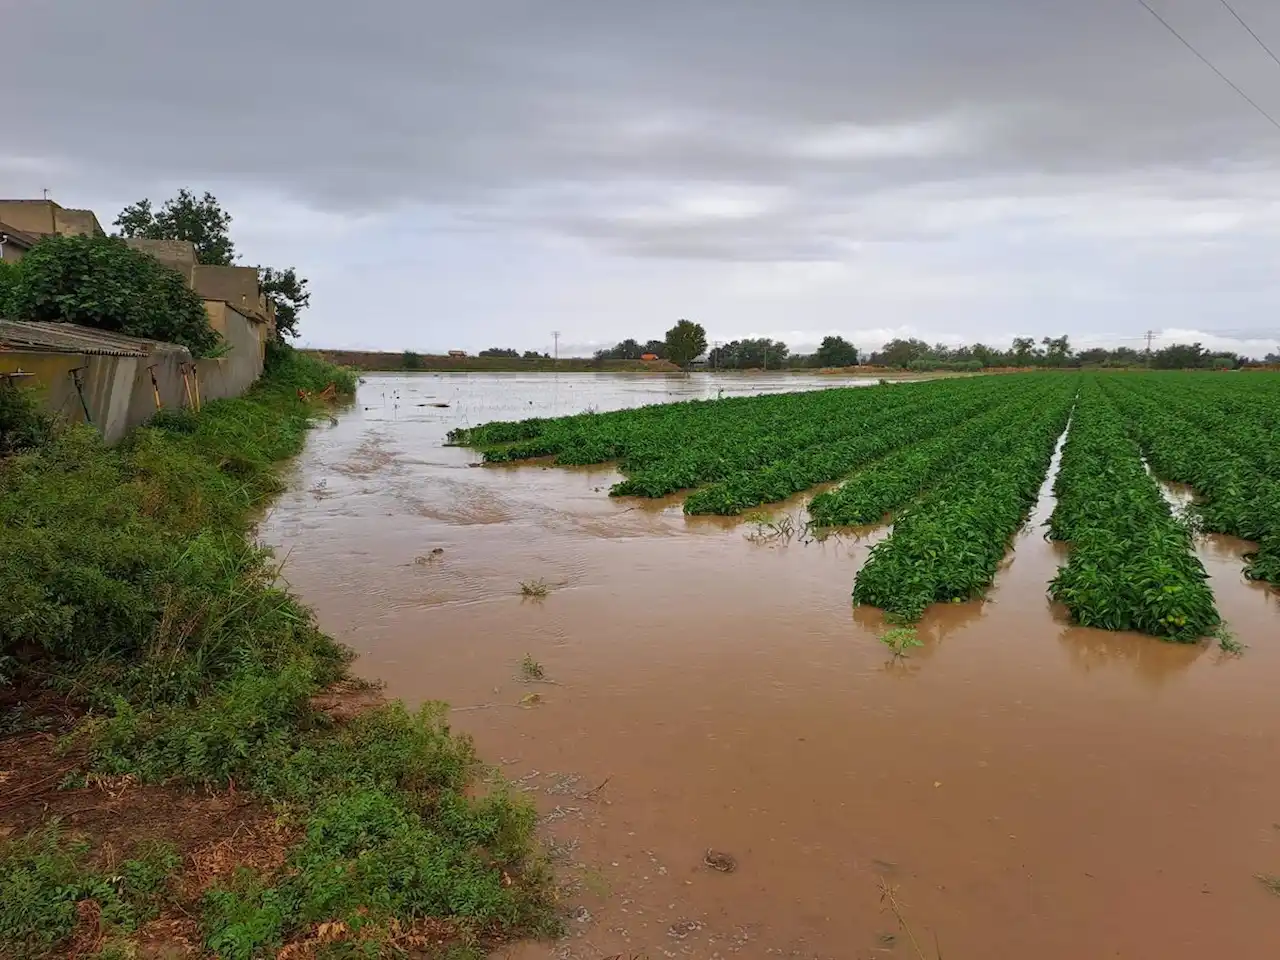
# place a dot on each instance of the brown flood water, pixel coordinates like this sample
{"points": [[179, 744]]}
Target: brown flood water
{"points": [[1033, 790]]}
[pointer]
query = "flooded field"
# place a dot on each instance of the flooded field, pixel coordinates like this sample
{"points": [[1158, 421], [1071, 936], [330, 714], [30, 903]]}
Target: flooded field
{"points": [[1026, 788]]}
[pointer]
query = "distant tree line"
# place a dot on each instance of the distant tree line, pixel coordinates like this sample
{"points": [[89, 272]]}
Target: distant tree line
{"points": [[1050, 352]]}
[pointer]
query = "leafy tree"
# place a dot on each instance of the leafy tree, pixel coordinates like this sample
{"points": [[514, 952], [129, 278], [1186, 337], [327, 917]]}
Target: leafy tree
{"points": [[184, 217], [685, 341], [900, 353], [626, 350], [836, 352], [658, 348], [1057, 351], [500, 352], [290, 295], [411, 360], [1023, 351], [100, 282], [1179, 356], [535, 355]]}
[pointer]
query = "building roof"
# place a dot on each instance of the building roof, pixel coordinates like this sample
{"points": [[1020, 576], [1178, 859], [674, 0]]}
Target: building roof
{"points": [[32, 337], [15, 236]]}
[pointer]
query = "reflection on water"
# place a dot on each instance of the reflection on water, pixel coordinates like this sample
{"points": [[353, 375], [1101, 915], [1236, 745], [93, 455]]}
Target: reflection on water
{"points": [[1026, 779]]}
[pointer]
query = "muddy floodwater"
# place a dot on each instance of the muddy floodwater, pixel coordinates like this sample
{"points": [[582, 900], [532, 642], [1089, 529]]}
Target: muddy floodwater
{"points": [[1029, 789]]}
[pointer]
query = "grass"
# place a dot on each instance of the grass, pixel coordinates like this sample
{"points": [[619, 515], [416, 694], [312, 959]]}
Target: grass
{"points": [[534, 589], [127, 585], [1272, 883], [899, 640]]}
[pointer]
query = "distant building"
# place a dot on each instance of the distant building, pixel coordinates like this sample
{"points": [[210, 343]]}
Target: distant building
{"points": [[44, 218], [457, 354], [648, 356], [699, 361]]}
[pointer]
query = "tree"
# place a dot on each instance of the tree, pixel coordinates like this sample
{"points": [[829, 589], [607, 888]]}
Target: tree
{"points": [[900, 353], [1023, 351], [101, 282], [1176, 356], [657, 347], [500, 352], [535, 355], [1057, 351], [836, 352], [289, 293], [411, 360], [626, 350], [685, 341], [183, 217]]}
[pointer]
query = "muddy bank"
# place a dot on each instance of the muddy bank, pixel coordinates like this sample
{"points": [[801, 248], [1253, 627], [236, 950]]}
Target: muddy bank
{"points": [[1030, 788]]}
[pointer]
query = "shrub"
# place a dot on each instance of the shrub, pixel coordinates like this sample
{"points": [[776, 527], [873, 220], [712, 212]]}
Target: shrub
{"points": [[22, 423], [101, 282]]}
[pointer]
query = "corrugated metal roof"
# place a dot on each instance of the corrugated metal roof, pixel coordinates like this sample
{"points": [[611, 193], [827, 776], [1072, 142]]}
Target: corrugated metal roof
{"points": [[73, 338]]}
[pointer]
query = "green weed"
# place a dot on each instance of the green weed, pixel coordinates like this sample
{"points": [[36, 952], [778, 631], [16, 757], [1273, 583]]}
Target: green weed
{"points": [[46, 875], [900, 639], [531, 669], [1270, 882], [1228, 642]]}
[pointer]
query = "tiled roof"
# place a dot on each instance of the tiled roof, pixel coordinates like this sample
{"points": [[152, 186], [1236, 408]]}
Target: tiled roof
{"points": [[73, 338]]}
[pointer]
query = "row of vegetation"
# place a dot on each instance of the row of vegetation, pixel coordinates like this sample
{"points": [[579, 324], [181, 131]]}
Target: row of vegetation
{"points": [[958, 464], [947, 546], [1222, 440], [870, 494], [1133, 564], [131, 596], [942, 408]]}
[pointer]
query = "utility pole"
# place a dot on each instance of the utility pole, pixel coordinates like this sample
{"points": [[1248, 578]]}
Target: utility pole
{"points": [[555, 335], [1149, 335]]}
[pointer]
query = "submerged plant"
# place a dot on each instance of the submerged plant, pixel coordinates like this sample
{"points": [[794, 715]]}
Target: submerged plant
{"points": [[534, 589], [1228, 642], [531, 669], [900, 639]]}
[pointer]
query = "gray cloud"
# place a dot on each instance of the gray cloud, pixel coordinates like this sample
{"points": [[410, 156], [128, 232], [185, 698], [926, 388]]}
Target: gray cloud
{"points": [[985, 156]]}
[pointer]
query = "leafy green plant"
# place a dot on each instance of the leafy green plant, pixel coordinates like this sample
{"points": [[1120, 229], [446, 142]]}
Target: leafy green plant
{"points": [[101, 282], [1228, 642]]}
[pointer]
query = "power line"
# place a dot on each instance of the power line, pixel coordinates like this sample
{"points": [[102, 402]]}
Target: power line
{"points": [[1208, 63], [1261, 42]]}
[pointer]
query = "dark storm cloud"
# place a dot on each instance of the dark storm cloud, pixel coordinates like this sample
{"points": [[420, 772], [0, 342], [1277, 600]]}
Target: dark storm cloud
{"points": [[352, 105], [942, 164]]}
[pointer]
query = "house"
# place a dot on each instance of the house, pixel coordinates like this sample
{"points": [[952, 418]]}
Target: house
{"points": [[647, 357], [457, 354], [237, 309], [45, 218], [14, 243]]}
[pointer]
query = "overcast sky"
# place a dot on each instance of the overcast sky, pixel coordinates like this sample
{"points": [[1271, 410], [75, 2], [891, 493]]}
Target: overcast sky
{"points": [[480, 173]]}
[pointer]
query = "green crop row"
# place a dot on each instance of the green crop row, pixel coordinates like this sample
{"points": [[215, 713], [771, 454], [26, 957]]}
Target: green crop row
{"points": [[889, 483], [948, 546], [1213, 444], [835, 456], [1132, 563]]}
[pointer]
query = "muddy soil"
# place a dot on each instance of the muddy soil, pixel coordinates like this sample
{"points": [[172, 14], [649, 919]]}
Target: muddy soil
{"points": [[1027, 788]]}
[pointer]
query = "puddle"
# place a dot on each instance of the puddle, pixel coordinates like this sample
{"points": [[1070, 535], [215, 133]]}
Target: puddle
{"points": [[1032, 789]]}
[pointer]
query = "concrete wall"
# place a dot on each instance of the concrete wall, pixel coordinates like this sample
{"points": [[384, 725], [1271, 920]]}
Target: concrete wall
{"points": [[232, 374], [177, 254], [119, 391]]}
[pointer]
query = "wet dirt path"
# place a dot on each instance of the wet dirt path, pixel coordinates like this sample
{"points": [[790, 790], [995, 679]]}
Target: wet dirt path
{"points": [[1030, 789]]}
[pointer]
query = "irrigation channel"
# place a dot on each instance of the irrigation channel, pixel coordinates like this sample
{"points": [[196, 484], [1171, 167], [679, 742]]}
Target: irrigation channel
{"points": [[1027, 788]]}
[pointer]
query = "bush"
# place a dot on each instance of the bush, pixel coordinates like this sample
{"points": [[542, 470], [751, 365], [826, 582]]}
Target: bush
{"points": [[411, 360], [101, 282], [22, 423], [8, 279]]}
